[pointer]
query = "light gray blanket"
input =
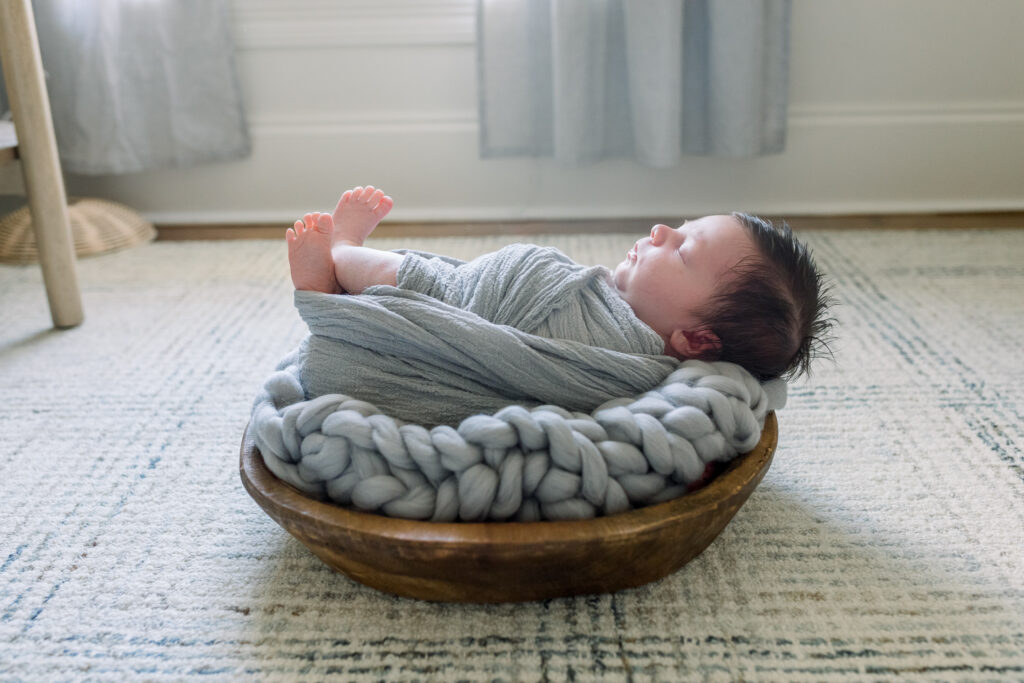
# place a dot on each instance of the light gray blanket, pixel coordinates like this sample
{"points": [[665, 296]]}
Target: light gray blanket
{"points": [[523, 325], [345, 415]]}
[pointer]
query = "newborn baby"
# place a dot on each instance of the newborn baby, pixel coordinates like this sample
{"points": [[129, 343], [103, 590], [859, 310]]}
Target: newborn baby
{"points": [[724, 287]]}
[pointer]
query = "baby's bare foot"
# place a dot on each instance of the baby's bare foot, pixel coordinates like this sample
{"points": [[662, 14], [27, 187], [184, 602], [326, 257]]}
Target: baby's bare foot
{"points": [[358, 212], [309, 254]]}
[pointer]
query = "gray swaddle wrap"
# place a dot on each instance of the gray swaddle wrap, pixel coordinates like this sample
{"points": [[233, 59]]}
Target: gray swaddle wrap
{"points": [[424, 351], [538, 290], [449, 344]]}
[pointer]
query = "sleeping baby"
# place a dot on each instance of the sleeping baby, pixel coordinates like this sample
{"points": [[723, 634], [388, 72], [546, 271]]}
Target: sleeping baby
{"points": [[725, 287]]}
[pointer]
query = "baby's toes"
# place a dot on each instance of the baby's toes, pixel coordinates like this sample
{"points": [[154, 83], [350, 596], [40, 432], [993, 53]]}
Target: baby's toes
{"points": [[325, 223], [384, 206], [346, 197]]}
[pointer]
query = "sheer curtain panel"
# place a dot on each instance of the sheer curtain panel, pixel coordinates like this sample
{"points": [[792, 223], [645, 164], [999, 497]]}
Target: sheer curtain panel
{"points": [[141, 84], [652, 80]]}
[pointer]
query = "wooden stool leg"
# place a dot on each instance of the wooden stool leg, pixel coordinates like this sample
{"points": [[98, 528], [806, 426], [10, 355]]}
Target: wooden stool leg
{"points": [[37, 146]]}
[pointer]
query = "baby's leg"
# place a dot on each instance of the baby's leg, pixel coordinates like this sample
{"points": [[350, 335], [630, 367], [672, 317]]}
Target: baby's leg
{"points": [[358, 212], [309, 254]]}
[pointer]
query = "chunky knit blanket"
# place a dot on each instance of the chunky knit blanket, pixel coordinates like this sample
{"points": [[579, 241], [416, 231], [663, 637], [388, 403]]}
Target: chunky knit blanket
{"points": [[424, 410]]}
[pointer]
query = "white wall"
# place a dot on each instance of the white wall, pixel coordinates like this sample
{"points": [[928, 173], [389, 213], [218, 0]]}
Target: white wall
{"points": [[912, 105]]}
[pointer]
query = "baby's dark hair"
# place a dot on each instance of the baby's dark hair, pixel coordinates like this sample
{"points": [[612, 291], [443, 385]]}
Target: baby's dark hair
{"points": [[772, 318]]}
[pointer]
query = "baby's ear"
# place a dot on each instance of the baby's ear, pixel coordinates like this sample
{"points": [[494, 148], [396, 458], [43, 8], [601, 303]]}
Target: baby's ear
{"points": [[695, 344]]}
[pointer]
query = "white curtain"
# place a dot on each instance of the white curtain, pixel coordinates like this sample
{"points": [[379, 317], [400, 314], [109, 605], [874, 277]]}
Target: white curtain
{"points": [[653, 80], [141, 84]]}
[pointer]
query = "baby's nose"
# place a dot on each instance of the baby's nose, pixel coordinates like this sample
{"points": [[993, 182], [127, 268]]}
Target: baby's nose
{"points": [[658, 233]]}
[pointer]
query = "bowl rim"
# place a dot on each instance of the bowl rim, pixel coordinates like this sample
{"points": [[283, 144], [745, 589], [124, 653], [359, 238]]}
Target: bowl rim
{"points": [[271, 493]]}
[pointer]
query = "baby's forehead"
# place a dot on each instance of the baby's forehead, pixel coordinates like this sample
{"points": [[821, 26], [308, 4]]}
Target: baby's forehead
{"points": [[714, 219], [719, 226], [729, 236]]}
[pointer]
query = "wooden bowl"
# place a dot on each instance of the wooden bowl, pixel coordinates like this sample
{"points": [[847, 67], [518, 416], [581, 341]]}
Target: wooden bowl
{"points": [[510, 561]]}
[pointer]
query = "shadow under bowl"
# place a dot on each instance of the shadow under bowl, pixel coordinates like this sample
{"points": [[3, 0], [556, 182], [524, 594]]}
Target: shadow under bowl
{"points": [[510, 561]]}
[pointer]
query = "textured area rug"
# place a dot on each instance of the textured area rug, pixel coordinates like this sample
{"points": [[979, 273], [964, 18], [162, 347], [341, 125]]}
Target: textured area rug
{"points": [[887, 540]]}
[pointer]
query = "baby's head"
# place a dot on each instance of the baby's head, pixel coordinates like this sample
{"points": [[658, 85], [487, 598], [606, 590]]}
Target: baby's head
{"points": [[730, 287]]}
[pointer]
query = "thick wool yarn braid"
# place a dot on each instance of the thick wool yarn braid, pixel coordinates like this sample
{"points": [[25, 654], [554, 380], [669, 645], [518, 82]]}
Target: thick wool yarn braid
{"points": [[543, 463]]}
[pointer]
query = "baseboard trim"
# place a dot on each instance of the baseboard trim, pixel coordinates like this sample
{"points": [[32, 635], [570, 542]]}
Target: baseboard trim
{"points": [[984, 220]]}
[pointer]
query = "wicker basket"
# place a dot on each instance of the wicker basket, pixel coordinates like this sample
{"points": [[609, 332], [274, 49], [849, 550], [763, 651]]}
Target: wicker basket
{"points": [[97, 226]]}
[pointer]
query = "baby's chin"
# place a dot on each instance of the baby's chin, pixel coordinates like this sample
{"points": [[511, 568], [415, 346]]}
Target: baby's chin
{"points": [[618, 273]]}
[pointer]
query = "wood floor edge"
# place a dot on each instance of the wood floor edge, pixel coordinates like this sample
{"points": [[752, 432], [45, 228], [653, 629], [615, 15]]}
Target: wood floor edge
{"points": [[916, 221]]}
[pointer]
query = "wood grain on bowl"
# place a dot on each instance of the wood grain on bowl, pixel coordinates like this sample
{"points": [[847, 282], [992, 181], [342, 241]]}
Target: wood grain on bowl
{"points": [[510, 561]]}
